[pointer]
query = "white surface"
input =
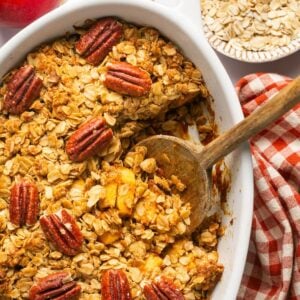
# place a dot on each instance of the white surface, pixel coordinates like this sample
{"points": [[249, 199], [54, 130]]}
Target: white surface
{"points": [[288, 66], [172, 23]]}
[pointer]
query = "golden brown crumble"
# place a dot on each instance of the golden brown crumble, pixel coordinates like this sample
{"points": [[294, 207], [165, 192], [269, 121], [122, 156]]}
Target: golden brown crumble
{"points": [[144, 234]]}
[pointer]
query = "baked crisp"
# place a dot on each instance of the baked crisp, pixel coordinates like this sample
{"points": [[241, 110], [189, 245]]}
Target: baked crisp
{"points": [[130, 216]]}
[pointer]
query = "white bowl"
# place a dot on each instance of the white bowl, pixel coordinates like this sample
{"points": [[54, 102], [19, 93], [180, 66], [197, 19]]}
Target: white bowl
{"points": [[174, 21], [248, 55]]}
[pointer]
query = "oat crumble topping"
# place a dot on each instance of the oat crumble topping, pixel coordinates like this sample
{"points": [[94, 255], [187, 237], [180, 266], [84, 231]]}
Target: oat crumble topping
{"points": [[131, 217]]}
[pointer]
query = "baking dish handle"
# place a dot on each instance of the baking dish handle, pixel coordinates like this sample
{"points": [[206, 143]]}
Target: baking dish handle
{"points": [[190, 9]]}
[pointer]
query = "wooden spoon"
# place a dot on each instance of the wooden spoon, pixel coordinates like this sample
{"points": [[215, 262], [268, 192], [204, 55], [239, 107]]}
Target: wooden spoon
{"points": [[190, 162]]}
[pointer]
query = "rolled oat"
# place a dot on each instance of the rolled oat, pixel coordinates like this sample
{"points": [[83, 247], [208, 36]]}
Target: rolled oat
{"points": [[255, 25]]}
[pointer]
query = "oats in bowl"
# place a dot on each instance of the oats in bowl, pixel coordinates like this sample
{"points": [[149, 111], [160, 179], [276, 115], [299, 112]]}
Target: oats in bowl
{"points": [[254, 31], [81, 213]]}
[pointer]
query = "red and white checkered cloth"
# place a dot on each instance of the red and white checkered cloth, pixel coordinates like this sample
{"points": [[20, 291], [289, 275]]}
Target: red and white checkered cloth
{"points": [[272, 270]]}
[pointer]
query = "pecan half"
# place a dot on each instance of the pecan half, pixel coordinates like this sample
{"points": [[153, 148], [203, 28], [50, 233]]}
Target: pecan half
{"points": [[90, 138], [96, 43], [115, 286], [59, 286], [22, 89], [162, 289], [61, 229], [24, 204], [127, 79]]}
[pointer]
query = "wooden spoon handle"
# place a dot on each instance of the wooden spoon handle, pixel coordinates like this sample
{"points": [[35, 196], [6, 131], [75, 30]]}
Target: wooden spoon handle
{"points": [[282, 102]]}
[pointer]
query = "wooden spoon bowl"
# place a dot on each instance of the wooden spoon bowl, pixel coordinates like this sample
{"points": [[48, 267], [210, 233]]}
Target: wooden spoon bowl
{"points": [[190, 162], [178, 157]]}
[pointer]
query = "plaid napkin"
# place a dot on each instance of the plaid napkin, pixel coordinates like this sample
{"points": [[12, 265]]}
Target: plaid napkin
{"points": [[273, 264]]}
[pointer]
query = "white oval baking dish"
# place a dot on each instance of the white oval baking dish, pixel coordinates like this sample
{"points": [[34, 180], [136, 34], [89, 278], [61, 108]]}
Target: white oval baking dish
{"points": [[179, 20]]}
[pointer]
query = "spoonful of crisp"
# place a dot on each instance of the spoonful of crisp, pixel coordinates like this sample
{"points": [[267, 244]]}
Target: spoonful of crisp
{"points": [[191, 162]]}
